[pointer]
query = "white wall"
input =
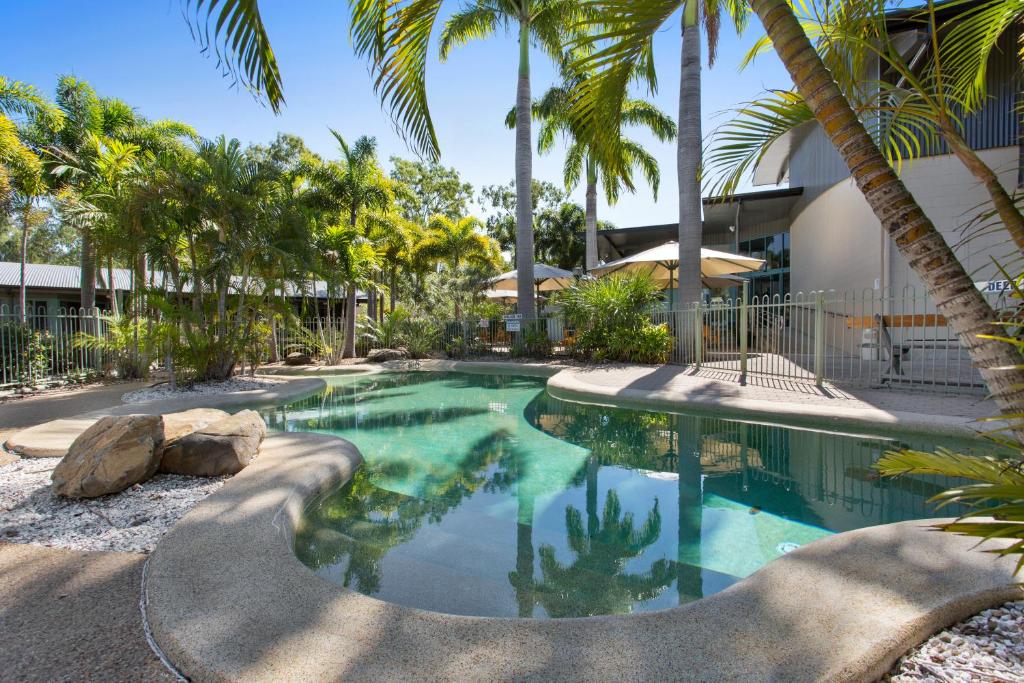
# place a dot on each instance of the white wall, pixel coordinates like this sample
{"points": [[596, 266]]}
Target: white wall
{"points": [[837, 243]]}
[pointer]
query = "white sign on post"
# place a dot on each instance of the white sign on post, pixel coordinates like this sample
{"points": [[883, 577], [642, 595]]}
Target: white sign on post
{"points": [[513, 322], [484, 323]]}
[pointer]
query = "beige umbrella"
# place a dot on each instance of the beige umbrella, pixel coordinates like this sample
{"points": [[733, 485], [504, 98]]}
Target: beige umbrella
{"points": [[502, 295], [546, 278], [661, 263]]}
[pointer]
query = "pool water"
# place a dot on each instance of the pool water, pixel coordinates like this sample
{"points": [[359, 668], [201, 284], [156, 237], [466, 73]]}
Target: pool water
{"points": [[483, 495]]}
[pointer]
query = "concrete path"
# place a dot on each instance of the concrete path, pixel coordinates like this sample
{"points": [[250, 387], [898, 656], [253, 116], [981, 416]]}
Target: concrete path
{"points": [[17, 414], [68, 615]]}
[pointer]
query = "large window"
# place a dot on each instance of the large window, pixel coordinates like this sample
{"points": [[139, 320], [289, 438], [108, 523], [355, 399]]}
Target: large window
{"points": [[774, 249]]}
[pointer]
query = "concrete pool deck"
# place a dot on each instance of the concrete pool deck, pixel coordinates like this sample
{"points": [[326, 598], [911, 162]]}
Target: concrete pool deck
{"points": [[227, 599]]}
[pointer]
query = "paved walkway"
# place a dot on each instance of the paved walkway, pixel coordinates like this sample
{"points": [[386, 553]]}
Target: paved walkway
{"points": [[16, 414], [68, 615]]}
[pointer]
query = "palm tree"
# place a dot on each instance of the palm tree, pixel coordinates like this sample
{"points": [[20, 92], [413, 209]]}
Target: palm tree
{"points": [[901, 217], [622, 49], [354, 185], [21, 168], [553, 109], [921, 102], [458, 243], [546, 22]]}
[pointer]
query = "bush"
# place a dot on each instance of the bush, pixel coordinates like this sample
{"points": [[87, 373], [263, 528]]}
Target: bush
{"points": [[26, 353], [612, 317], [532, 342]]}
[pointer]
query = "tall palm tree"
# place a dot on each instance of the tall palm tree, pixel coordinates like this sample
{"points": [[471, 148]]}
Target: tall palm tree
{"points": [[581, 159], [621, 42], [547, 22], [355, 184], [901, 217]]}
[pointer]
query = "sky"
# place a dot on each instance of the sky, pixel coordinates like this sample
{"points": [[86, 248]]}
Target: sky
{"points": [[142, 52]]}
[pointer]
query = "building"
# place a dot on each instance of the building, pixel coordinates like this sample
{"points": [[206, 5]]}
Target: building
{"points": [[819, 232], [53, 289]]}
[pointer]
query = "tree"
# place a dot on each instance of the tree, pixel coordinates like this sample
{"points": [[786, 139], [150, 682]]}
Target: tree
{"points": [[622, 42], [901, 217], [554, 108], [558, 235], [355, 184], [917, 104], [430, 190], [458, 243], [501, 225], [21, 168]]}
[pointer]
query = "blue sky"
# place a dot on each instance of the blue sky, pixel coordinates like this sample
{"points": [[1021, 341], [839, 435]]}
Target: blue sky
{"points": [[142, 52]]}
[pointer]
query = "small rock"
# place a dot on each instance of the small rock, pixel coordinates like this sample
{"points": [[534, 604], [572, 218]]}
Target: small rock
{"points": [[297, 358], [385, 355]]}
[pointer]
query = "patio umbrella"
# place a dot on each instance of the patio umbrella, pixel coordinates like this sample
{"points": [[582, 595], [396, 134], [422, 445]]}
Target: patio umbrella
{"points": [[546, 278], [502, 295], [661, 263]]}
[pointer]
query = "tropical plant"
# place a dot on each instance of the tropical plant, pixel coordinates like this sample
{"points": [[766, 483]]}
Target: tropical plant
{"points": [[457, 244], [612, 319], [432, 190], [617, 50], [127, 342], [902, 218], [25, 354], [919, 102], [533, 341], [581, 160]]}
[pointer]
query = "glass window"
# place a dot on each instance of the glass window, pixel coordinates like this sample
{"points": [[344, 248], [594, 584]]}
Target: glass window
{"points": [[785, 251], [773, 249], [757, 248]]}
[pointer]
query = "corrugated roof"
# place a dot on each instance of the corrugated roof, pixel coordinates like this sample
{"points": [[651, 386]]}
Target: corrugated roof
{"points": [[49, 276]]}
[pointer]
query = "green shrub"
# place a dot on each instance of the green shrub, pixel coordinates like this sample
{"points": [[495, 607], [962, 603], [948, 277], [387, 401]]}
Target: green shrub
{"points": [[612, 318], [532, 342], [26, 353]]}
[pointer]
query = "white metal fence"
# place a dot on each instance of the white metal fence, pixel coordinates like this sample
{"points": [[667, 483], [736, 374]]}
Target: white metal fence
{"points": [[41, 347]]}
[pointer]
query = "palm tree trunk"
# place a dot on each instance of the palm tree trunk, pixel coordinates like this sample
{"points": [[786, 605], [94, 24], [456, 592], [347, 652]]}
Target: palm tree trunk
{"points": [[87, 298], [349, 350], [901, 217], [26, 218], [524, 178], [688, 156], [591, 215], [112, 288]]}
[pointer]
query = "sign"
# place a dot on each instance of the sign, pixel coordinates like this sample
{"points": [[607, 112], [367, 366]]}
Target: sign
{"points": [[993, 286], [513, 325], [512, 316], [484, 323]]}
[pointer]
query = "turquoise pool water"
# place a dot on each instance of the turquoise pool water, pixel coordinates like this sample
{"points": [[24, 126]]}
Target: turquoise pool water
{"points": [[483, 495]]}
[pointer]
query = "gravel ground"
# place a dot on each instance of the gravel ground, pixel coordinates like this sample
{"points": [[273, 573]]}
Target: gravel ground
{"points": [[162, 391], [130, 521], [987, 647]]}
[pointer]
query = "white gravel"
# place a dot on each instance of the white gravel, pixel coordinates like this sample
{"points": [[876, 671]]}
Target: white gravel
{"points": [[162, 391], [987, 647], [130, 521]]}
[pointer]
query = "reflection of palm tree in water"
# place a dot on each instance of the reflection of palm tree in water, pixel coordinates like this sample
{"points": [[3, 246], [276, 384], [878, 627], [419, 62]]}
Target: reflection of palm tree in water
{"points": [[689, 435], [595, 582]]}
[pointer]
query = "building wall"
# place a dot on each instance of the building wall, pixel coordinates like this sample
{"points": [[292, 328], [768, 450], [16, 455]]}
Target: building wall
{"points": [[837, 243]]}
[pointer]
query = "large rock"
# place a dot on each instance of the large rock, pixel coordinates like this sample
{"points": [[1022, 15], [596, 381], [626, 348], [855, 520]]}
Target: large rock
{"points": [[177, 425], [110, 456], [384, 355], [222, 447], [297, 358]]}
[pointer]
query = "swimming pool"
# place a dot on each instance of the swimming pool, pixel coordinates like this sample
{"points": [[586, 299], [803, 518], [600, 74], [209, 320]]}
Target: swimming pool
{"points": [[483, 495]]}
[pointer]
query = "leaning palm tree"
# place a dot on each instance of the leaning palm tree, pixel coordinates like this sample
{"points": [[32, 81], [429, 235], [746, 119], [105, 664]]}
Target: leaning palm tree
{"points": [[553, 109], [901, 216], [921, 102]]}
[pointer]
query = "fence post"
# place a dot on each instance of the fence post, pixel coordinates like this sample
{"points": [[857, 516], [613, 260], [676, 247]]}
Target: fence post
{"points": [[698, 335], [819, 338], [743, 332]]}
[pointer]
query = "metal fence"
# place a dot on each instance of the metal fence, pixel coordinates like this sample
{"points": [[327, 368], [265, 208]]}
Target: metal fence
{"points": [[41, 347]]}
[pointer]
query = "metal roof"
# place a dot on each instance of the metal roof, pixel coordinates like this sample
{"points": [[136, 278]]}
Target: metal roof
{"points": [[49, 276]]}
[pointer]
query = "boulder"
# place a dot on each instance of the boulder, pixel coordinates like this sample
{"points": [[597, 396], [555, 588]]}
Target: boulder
{"points": [[177, 425], [384, 355], [219, 448], [110, 456], [297, 358]]}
